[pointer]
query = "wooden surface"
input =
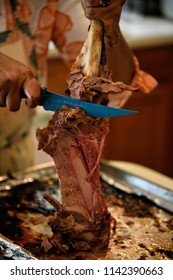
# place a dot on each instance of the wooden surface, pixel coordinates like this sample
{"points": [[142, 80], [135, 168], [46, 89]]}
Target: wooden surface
{"points": [[145, 138]]}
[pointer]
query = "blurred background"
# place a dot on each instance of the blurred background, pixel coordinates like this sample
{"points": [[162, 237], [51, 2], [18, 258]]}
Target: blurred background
{"points": [[150, 7], [145, 138]]}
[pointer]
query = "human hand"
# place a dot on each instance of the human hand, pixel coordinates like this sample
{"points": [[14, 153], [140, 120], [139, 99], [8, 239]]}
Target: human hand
{"points": [[108, 11], [16, 78]]}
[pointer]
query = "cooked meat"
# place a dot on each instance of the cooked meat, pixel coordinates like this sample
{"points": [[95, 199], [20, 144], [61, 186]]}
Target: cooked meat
{"points": [[75, 141], [92, 89]]}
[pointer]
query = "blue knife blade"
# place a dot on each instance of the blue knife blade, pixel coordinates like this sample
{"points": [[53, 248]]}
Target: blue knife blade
{"points": [[52, 101]]}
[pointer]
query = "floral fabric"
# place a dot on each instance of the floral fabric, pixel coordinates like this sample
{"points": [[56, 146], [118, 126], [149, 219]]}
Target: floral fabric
{"points": [[26, 28]]}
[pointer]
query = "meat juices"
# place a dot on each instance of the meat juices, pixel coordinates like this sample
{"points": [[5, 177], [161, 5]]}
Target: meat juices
{"points": [[75, 141]]}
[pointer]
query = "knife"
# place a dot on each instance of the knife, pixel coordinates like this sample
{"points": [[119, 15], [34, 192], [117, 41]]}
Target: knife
{"points": [[131, 183], [53, 101]]}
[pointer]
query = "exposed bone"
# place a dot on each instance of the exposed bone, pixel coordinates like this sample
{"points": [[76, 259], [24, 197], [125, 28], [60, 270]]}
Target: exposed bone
{"points": [[88, 60]]}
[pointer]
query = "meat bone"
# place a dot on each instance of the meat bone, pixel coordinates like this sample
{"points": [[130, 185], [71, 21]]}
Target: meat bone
{"points": [[75, 142]]}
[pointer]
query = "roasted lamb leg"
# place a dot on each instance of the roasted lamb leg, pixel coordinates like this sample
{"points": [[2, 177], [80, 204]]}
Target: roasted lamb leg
{"points": [[75, 141]]}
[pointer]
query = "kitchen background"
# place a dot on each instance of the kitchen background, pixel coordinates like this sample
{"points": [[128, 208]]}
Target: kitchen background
{"points": [[145, 138]]}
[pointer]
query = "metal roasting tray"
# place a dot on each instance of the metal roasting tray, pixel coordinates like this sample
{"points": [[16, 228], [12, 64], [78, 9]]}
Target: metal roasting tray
{"points": [[143, 230], [131, 183]]}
